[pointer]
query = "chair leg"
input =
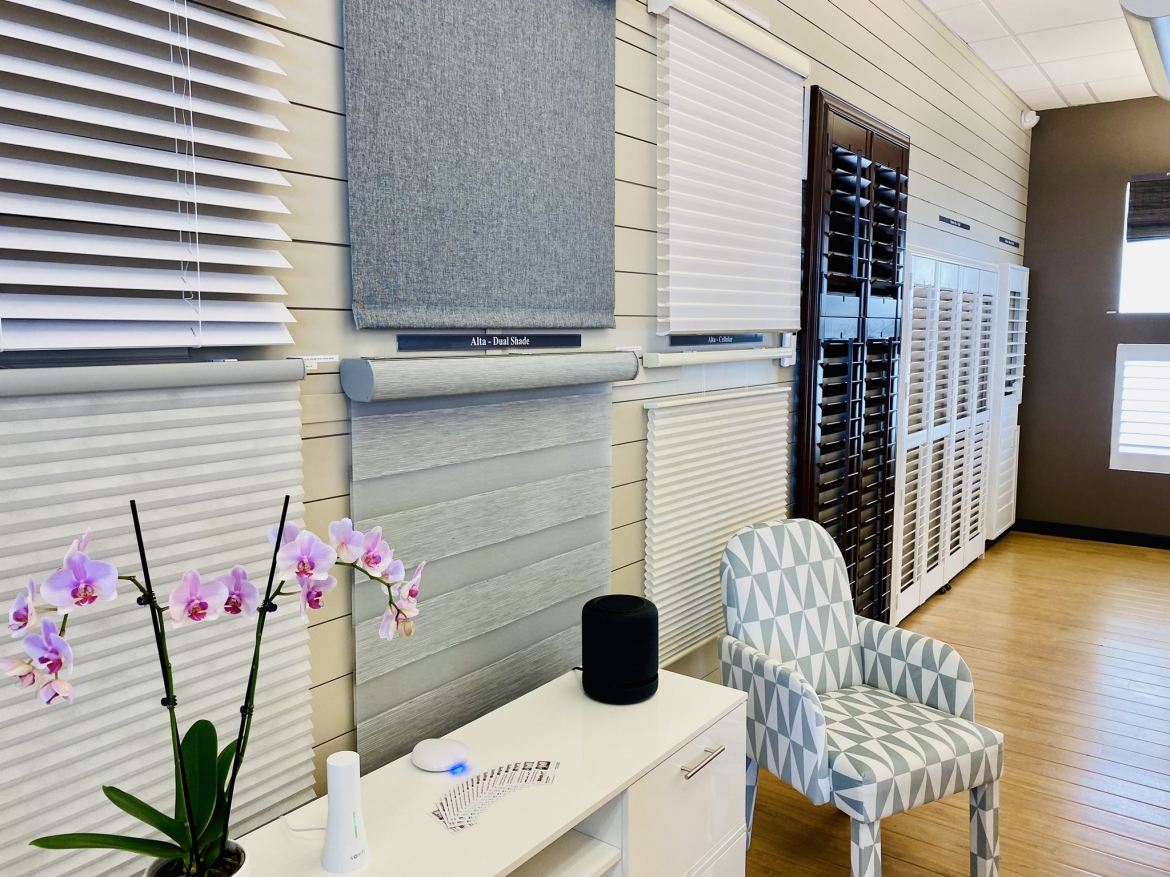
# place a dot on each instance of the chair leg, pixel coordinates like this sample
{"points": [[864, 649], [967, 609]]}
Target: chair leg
{"points": [[865, 848], [985, 830], [753, 779]]}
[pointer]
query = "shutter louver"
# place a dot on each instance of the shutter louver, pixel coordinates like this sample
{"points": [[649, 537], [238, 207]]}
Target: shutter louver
{"points": [[714, 464], [1141, 408], [730, 130], [133, 191]]}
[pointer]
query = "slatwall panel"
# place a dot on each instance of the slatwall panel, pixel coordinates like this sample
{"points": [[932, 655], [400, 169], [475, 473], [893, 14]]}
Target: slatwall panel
{"points": [[135, 210], [730, 152], [855, 260], [208, 451], [714, 464]]}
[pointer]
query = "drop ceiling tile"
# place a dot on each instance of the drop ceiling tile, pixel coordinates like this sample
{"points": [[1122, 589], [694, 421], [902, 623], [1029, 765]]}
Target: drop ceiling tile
{"points": [[1023, 16], [1123, 88], [1000, 53], [1079, 40], [1111, 66], [1077, 94], [973, 22], [940, 5], [1042, 99], [1027, 78]]}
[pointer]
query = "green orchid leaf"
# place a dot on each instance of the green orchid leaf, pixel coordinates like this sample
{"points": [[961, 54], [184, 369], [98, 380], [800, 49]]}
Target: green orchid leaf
{"points": [[156, 848], [224, 765], [143, 812], [199, 760]]}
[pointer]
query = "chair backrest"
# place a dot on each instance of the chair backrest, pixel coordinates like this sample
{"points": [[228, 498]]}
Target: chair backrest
{"points": [[786, 593]]}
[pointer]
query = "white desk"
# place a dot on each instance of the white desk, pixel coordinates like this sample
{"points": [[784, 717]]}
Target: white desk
{"points": [[619, 783]]}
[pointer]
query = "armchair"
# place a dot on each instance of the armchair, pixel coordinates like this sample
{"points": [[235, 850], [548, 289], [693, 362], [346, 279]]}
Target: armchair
{"points": [[847, 710]]}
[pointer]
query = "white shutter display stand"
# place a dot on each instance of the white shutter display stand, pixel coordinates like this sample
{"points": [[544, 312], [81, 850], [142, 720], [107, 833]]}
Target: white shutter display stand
{"points": [[1141, 409], [715, 463], [730, 166], [135, 210], [1011, 330], [945, 475]]}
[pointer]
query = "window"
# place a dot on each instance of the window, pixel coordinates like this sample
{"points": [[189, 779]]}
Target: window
{"points": [[1141, 409], [1145, 280]]}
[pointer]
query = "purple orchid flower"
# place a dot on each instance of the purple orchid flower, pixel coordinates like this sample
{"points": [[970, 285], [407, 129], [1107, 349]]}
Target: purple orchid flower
{"points": [[80, 582], [80, 545], [399, 617], [22, 668], [378, 560], [55, 690], [345, 540], [243, 598], [306, 557], [290, 533], [23, 614], [196, 600], [313, 592], [49, 651]]}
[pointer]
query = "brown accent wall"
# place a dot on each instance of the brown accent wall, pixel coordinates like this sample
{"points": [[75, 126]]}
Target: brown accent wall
{"points": [[1082, 157]]}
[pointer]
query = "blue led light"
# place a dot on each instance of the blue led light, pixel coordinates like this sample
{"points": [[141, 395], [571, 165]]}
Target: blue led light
{"points": [[458, 769]]}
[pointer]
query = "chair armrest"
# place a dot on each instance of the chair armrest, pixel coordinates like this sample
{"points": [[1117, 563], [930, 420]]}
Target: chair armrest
{"points": [[915, 667], [786, 726]]}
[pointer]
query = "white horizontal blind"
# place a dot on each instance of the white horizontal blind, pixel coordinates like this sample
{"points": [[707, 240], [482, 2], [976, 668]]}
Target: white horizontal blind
{"points": [[209, 467], [730, 165], [1141, 409], [136, 210], [714, 464]]}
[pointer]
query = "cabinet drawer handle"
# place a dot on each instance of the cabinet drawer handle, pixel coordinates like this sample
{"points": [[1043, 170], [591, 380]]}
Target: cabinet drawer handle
{"points": [[712, 753]]}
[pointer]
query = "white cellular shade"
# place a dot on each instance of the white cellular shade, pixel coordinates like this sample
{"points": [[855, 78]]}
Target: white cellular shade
{"points": [[137, 142], [715, 464], [1141, 409], [209, 467], [730, 165]]}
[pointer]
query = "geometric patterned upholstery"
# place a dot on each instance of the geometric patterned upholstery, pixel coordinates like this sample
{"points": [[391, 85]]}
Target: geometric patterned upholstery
{"points": [[871, 717], [786, 593]]}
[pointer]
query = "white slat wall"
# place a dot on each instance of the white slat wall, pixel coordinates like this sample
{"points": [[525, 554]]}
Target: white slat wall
{"points": [[730, 158], [209, 467], [130, 192], [714, 464]]}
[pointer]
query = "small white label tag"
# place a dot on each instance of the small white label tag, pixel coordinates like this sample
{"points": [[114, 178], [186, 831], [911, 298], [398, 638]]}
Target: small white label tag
{"points": [[311, 362]]}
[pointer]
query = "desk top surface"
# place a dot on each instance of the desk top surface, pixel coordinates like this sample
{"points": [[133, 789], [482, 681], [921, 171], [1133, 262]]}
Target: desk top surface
{"points": [[602, 750]]}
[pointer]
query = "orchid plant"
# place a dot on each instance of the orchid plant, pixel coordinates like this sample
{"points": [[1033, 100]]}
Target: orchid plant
{"points": [[197, 843]]}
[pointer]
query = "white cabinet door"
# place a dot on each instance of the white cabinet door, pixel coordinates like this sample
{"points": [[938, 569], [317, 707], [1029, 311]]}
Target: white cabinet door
{"points": [[733, 862], [675, 823]]}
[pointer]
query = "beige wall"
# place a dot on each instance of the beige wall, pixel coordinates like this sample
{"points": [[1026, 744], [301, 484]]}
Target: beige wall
{"points": [[890, 57]]}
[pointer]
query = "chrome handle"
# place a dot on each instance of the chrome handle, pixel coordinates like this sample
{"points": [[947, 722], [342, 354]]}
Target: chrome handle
{"points": [[690, 770]]}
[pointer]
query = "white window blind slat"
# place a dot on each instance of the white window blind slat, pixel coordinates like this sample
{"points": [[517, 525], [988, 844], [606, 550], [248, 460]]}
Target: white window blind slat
{"points": [[50, 241], [20, 273], [259, 6], [730, 130], [227, 23], [15, 306], [64, 334]]}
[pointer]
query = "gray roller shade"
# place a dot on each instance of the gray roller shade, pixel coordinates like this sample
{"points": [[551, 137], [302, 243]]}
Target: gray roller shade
{"points": [[208, 451], [506, 495], [1149, 208]]}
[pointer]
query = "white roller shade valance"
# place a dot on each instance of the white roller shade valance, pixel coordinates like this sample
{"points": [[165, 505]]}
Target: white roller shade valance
{"points": [[730, 168], [136, 210]]}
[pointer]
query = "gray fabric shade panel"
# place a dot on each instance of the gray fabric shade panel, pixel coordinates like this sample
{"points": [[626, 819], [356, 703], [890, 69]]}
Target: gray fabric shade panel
{"points": [[506, 495], [387, 380], [1149, 208], [481, 156]]}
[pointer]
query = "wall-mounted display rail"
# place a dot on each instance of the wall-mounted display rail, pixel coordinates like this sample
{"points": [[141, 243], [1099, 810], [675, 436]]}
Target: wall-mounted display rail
{"points": [[855, 239]]}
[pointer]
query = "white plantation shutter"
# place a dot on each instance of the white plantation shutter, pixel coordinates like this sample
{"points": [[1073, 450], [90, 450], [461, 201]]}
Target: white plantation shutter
{"points": [[715, 464], [1141, 409], [208, 451], [730, 165], [135, 207], [1011, 325]]}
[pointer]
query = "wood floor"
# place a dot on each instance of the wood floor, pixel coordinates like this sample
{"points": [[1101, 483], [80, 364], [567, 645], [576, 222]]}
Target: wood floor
{"points": [[1069, 644]]}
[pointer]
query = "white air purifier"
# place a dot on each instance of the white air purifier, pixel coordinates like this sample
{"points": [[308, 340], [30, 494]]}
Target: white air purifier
{"points": [[346, 849]]}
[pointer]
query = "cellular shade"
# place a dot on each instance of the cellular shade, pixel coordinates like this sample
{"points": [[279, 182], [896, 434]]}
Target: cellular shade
{"points": [[1148, 213]]}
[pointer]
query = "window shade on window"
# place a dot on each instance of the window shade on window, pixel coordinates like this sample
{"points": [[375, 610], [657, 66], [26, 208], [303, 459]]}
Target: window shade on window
{"points": [[730, 131], [1141, 409], [1148, 213], [136, 210]]}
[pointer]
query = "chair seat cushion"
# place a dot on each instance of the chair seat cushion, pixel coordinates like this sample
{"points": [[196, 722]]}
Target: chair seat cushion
{"points": [[887, 754]]}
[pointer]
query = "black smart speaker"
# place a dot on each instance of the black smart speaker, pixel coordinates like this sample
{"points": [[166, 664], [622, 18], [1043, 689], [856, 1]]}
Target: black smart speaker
{"points": [[619, 649]]}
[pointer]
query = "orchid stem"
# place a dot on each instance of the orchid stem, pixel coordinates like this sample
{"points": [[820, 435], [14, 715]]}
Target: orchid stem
{"points": [[160, 639], [250, 697]]}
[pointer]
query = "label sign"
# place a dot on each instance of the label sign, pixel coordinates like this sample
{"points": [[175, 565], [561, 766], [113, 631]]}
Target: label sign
{"points": [[714, 339], [485, 341], [946, 220], [1009, 242]]}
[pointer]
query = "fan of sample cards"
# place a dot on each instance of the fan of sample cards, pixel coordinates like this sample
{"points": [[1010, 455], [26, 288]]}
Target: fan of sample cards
{"points": [[462, 806]]}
